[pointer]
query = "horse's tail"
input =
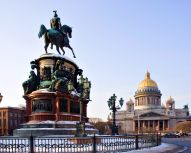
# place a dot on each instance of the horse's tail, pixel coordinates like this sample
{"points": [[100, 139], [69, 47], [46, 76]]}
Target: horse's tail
{"points": [[42, 31]]}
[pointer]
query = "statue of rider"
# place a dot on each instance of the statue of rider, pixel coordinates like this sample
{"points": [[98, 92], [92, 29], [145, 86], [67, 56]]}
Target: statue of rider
{"points": [[55, 24]]}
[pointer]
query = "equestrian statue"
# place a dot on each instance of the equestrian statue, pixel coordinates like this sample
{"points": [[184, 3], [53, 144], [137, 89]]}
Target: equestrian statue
{"points": [[57, 35]]}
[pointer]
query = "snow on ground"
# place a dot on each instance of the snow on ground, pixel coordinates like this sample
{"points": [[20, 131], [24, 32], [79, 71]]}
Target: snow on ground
{"points": [[164, 147]]}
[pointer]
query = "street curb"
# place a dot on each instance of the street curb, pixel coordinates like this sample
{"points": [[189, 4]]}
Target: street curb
{"points": [[184, 149], [175, 149]]}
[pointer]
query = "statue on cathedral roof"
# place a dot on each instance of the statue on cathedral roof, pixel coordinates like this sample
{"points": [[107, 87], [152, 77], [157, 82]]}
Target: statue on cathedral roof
{"points": [[58, 35]]}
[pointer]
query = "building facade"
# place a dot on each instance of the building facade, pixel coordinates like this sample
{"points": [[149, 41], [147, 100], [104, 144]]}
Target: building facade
{"points": [[10, 119], [146, 113]]}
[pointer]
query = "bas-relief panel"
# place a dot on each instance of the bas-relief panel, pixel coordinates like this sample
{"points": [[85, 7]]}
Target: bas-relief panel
{"points": [[151, 114], [47, 62]]}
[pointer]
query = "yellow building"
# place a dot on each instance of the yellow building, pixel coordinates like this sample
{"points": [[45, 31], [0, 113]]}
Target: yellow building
{"points": [[10, 119], [146, 113]]}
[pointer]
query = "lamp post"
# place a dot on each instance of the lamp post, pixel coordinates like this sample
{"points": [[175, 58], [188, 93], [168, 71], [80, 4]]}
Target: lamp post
{"points": [[1, 97], [83, 89], [114, 108], [138, 123]]}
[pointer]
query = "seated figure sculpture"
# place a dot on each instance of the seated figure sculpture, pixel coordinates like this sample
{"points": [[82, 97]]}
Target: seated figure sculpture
{"points": [[59, 81], [31, 84]]}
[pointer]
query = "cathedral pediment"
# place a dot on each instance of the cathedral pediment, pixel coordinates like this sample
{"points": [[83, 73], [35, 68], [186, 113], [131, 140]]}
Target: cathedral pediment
{"points": [[151, 114]]}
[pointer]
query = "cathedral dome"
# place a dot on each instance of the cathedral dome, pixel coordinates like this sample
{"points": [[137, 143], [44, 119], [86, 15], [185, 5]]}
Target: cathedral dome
{"points": [[147, 96], [147, 82]]}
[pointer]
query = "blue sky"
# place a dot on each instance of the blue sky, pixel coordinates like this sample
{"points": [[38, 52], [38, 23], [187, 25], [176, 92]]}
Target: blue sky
{"points": [[115, 43]]}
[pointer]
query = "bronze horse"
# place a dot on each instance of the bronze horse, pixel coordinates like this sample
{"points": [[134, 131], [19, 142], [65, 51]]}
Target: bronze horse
{"points": [[59, 37]]}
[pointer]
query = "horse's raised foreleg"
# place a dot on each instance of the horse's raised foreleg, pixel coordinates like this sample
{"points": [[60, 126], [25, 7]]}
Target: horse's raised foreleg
{"points": [[45, 47], [62, 50], [46, 40], [71, 50], [57, 48]]}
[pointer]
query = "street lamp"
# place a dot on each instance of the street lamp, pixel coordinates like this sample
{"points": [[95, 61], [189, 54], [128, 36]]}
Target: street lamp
{"points": [[138, 123], [83, 89], [114, 108], [1, 97], [70, 86]]}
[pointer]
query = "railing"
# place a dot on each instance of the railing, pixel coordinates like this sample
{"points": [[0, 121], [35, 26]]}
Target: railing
{"points": [[14, 144], [90, 144]]}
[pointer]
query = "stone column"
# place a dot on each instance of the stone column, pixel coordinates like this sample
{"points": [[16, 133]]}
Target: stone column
{"points": [[28, 108], [143, 124], [163, 125], [168, 124], [158, 125], [148, 124], [68, 104], [2, 123], [137, 101], [56, 108]]}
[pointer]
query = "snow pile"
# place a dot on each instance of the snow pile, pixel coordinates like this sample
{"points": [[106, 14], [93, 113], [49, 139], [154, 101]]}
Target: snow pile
{"points": [[164, 147]]}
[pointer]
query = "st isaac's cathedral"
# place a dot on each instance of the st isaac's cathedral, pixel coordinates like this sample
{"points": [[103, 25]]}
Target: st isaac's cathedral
{"points": [[147, 113]]}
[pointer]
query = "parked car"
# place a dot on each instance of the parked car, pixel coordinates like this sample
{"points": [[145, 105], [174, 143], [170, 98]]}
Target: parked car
{"points": [[171, 135], [182, 134], [189, 134]]}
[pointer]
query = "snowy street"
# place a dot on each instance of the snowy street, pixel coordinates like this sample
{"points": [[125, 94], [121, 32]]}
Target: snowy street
{"points": [[163, 148]]}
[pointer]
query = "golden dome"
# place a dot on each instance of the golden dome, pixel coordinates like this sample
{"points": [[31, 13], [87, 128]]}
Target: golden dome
{"points": [[147, 82]]}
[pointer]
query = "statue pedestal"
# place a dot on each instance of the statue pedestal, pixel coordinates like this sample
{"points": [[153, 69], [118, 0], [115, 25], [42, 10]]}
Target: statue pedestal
{"points": [[50, 108], [44, 105], [51, 128]]}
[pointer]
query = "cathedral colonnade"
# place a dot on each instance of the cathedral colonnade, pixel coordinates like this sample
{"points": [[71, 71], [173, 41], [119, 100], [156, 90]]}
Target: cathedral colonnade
{"points": [[149, 125]]}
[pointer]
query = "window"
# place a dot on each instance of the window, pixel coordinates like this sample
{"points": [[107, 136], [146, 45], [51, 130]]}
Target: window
{"points": [[4, 121], [187, 113], [10, 114], [11, 123], [63, 105], [74, 107], [15, 122]]}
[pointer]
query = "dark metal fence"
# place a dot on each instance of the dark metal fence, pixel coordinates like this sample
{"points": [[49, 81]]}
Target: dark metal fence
{"points": [[90, 144]]}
